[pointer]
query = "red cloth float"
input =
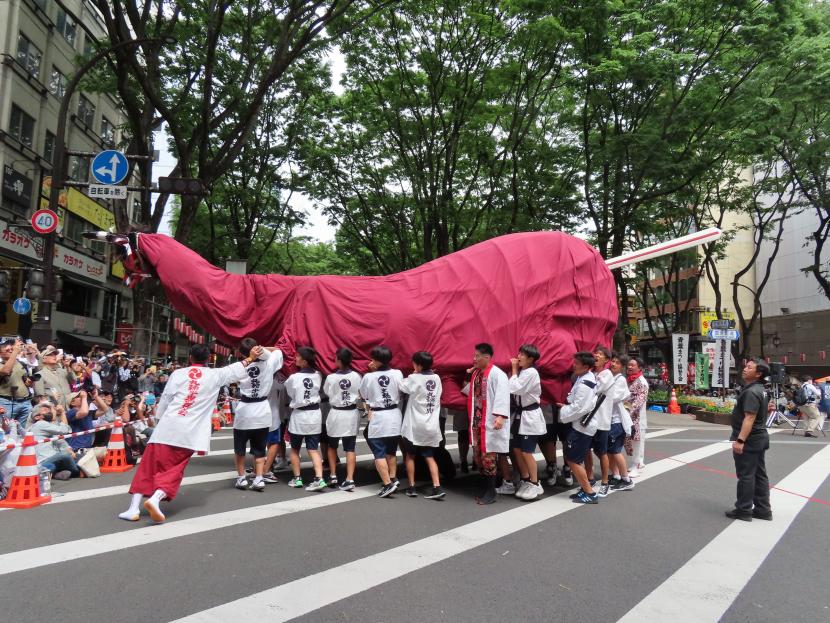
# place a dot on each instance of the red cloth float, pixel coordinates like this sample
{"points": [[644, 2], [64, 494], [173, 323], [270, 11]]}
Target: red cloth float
{"points": [[545, 288]]}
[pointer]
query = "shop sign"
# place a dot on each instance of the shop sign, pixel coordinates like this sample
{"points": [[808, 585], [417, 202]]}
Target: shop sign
{"points": [[17, 188]]}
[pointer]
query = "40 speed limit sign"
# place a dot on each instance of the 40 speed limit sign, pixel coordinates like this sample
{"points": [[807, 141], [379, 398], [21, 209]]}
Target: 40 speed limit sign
{"points": [[44, 221]]}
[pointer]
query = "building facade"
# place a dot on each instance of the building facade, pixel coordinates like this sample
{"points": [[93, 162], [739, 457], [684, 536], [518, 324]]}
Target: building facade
{"points": [[40, 43]]}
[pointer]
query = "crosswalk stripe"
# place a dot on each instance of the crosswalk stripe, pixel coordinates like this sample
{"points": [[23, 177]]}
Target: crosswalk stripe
{"points": [[730, 560], [49, 554], [299, 597]]}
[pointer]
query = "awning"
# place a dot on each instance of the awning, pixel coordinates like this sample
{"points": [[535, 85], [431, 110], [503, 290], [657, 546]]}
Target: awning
{"points": [[87, 340]]}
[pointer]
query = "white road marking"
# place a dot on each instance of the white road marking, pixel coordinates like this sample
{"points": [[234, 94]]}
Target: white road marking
{"points": [[297, 598], [704, 588]]}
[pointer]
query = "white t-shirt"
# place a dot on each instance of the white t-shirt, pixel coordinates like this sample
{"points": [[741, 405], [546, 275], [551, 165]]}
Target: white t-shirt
{"points": [[381, 389], [421, 424], [186, 406], [257, 384], [342, 388], [303, 388]]}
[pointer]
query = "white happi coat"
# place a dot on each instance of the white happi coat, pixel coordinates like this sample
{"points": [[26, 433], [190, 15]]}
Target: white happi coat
{"points": [[620, 394], [605, 385], [580, 402], [381, 389], [276, 401], [421, 424], [257, 384], [303, 388], [527, 388], [186, 406], [342, 388], [496, 397]]}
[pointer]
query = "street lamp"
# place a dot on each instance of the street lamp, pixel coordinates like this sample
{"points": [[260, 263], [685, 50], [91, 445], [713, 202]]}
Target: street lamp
{"points": [[42, 330], [760, 313]]}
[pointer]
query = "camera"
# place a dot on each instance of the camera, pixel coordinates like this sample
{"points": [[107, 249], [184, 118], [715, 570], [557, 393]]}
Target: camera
{"points": [[87, 386]]}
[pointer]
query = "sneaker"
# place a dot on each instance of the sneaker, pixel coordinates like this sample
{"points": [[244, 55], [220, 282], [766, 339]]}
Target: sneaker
{"points": [[332, 481], [506, 488], [387, 490], [280, 465], [530, 492], [593, 482], [633, 472], [396, 483], [64, 474], [614, 480], [258, 485], [270, 478], [318, 484], [567, 479], [539, 489], [604, 488], [347, 485], [411, 493], [249, 470], [296, 482], [585, 498], [623, 485], [437, 493], [241, 483], [552, 474]]}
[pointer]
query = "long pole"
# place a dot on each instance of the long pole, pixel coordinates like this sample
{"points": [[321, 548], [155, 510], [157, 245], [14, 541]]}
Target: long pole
{"points": [[150, 336]]}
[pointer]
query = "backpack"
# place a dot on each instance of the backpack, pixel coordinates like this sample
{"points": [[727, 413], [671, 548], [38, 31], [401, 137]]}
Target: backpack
{"points": [[801, 397]]}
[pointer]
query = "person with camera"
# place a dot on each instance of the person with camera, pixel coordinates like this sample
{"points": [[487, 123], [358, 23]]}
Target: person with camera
{"points": [[14, 392], [57, 457], [54, 378], [79, 419]]}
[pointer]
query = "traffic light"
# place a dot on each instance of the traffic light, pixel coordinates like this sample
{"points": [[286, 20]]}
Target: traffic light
{"points": [[36, 280], [181, 186], [5, 278]]}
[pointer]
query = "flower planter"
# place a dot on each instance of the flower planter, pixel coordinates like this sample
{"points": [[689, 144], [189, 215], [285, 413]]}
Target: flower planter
{"points": [[712, 417]]}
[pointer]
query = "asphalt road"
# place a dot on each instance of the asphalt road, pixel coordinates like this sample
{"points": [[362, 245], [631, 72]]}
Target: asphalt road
{"points": [[662, 552]]}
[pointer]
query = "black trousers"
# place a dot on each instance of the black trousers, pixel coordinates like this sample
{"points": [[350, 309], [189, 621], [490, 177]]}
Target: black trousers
{"points": [[753, 483]]}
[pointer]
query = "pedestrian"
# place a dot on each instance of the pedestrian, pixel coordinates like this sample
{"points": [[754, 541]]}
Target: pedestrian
{"points": [[750, 441], [306, 420], [342, 387], [824, 403], [605, 383], [525, 388], [54, 378], [421, 427], [620, 425], [488, 406], [253, 414], [183, 427], [579, 407], [635, 444], [14, 395], [380, 388], [807, 398]]}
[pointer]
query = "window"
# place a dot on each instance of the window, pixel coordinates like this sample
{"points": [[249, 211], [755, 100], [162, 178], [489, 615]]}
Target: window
{"points": [[89, 46], [74, 227], [28, 55], [49, 147], [57, 83], [79, 169], [86, 111], [108, 132], [77, 299], [41, 4], [66, 26], [22, 126]]}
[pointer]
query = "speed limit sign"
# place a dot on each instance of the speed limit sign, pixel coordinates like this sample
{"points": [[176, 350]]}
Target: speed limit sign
{"points": [[44, 221]]}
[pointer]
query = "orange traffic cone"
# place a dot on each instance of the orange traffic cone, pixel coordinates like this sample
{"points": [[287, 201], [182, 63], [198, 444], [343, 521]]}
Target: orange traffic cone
{"points": [[226, 411], [116, 457], [215, 420], [674, 407], [25, 488]]}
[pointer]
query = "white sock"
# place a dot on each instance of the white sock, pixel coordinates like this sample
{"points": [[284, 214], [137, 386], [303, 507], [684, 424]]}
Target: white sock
{"points": [[135, 506], [158, 496]]}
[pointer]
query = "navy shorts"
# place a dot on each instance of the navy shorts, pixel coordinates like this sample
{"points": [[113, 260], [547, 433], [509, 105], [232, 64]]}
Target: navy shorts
{"points": [[410, 448], [527, 443], [274, 437], [312, 442], [256, 436], [348, 443], [563, 429], [382, 447], [577, 446], [616, 439], [600, 444], [550, 433]]}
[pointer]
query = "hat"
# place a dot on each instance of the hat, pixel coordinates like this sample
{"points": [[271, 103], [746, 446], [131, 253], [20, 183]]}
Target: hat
{"points": [[72, 397], [105, 392], [49, 350]]}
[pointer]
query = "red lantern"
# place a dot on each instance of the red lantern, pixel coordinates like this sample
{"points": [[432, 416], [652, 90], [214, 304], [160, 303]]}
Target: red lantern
{"points": [[822, 355]]}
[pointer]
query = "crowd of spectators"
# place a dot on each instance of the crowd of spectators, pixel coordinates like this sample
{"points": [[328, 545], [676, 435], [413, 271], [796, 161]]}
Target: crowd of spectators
{"points": [[50, 392]]}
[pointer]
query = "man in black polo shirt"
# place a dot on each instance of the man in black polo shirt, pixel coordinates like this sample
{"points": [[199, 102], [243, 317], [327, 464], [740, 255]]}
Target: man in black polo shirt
{"points": [[750, 442]]}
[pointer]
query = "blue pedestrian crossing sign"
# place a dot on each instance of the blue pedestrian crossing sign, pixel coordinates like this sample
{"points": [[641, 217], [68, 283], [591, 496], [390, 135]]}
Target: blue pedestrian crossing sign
{"points": [[110, 167], [22, 306]]}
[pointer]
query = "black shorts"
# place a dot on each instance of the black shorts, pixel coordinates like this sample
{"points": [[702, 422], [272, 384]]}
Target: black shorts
{"points": [[407, 447], [348, 443], [514, 434], [527, 443], [258, 437], [312, 442], [577, 446]]}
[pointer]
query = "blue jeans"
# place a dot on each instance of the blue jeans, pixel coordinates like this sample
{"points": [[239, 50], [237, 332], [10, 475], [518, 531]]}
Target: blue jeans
{"points": [[61, 461], [17, 409]]}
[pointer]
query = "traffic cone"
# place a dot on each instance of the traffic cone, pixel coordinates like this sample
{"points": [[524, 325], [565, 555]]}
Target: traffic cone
{"points": [[215, 421], [25, 488], [674, 407], [115, 460], [226, 411]]}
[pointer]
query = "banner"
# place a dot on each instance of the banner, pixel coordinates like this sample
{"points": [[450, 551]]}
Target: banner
{"points": [[721, 363], [680, 357], [701, 371]]}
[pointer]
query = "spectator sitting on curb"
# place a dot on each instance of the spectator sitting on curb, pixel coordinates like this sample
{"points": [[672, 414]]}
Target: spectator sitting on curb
{"points": [[55, 457]]}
